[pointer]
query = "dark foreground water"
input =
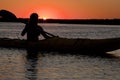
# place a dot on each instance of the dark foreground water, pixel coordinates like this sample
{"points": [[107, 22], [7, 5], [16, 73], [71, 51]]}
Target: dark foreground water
{"points": [[19, 64]]}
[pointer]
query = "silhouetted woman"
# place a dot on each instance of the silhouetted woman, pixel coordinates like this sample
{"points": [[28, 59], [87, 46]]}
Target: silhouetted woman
{"points": [[33, 30]]}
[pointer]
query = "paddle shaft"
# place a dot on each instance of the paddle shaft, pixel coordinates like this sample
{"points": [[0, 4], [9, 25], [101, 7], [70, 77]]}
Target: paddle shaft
{"points": [[50, 34]]}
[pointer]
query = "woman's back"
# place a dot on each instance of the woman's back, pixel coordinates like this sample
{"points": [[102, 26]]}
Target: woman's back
{"points": [[33, 32]]}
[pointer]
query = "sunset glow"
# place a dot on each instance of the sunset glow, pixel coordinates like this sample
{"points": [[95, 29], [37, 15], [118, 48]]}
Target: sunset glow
{"points": [[50, 12], [47, 13], [44, 18], [64, 9]]}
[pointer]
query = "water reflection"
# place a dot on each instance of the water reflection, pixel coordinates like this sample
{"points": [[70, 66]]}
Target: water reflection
{"points": [[32, 61], [66, 66], [16, 64]]}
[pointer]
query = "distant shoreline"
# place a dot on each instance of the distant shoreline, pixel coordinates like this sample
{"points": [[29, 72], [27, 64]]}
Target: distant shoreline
{"points": [[7, 16], [72, 21]]}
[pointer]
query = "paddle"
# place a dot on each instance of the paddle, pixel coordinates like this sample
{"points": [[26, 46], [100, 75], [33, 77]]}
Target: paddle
{"points": [[50, 34]]}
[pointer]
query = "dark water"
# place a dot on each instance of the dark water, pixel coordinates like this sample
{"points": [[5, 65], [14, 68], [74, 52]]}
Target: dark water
{"points": [[20, 64]]}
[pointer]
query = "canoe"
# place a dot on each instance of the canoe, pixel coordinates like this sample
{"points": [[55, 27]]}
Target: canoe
{"points": [[65, 44]]}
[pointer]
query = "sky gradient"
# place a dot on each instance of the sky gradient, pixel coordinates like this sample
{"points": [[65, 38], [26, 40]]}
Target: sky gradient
{"points": [[64, 9]]}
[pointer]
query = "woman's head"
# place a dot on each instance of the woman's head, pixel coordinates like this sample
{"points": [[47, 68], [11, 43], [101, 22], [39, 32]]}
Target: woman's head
{"points": [[34, 18]]}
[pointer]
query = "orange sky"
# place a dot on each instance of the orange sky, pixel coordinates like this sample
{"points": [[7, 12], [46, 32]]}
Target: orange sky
{"points": [[64, 9]]}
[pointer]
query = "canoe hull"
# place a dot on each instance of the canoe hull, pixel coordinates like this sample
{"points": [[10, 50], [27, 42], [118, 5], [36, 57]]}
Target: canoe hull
{"points": [[65, 45]]}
